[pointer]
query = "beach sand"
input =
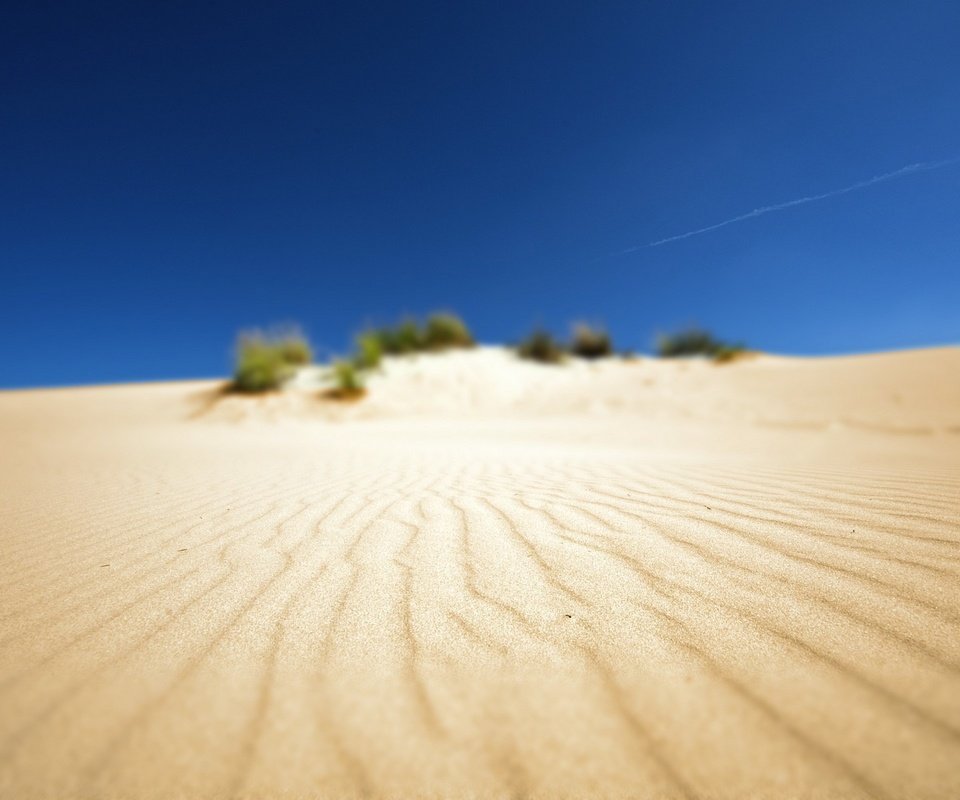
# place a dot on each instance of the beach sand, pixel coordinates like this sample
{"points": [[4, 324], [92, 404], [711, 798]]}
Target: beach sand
{"points": [[488, 578]]}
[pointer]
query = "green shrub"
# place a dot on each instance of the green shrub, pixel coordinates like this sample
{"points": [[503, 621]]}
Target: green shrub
{"points": [[264, 361], [590, 342], [407, 337], [387, 339], [260, 365], [541, 346], [348, 381], [441, 331], [369, 350], [446, 330], [294, 348], [690, 342], [728, 352], [698, 342]]}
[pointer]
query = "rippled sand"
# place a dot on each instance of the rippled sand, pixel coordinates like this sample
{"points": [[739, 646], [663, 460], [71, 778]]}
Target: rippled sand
{"points": [[488, 579]]}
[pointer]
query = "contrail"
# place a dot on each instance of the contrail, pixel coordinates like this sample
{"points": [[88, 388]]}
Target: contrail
{"points": [[922, 166]]}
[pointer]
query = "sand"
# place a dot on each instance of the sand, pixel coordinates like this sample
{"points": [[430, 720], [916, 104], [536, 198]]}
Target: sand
{"points": [[488, 579]]}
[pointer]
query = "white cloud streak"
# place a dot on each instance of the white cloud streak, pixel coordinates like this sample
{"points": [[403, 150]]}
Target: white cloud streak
{"points": [[922, 166]]}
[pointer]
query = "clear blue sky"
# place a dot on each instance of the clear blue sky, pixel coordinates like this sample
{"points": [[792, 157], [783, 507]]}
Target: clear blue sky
{"points": [[173, 172]]}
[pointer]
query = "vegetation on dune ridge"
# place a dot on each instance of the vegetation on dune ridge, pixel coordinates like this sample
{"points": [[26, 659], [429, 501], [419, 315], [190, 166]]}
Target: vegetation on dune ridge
{"points": [[729, 352], [369, 351], [698, 342], [407, 337], [446, 330], [401, 339], [294, 348], [259, 366], [265, 360], [586, 341], [442, 331], [542, 347], [589, 342], [348, 381]]}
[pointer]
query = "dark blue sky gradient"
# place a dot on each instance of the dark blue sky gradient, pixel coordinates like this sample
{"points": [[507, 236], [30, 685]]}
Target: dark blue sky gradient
{"points": [[173, 172]]}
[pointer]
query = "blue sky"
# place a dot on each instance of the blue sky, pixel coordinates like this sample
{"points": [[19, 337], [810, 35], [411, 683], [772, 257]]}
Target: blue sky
{"points": [[171, 173]]}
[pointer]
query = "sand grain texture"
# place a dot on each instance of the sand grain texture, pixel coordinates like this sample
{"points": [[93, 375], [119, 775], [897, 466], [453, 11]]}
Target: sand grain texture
{"points": [[488, 579]]}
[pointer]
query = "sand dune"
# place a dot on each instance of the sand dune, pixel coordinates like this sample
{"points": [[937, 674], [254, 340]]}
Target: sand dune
{"points": [[488, 579]]}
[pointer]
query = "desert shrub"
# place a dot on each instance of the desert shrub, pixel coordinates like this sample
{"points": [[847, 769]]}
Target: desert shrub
{"points": [[698, 342], [441, 331], [690, 342], [386, 339], [541, 346], [728, 352], [266, 360], [347, 380], [294, 348], [445, 330], [369, 350], [260, 365], [588, 342], [407, 337]]}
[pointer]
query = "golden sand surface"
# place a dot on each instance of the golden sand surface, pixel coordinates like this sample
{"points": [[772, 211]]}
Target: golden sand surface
{"points": [[488, 578]]}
